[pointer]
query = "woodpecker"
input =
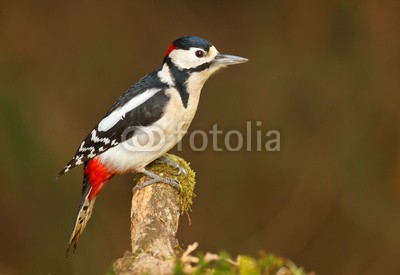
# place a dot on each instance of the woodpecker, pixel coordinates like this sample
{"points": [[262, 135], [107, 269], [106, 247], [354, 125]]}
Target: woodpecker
{"points": [[145, 122]]}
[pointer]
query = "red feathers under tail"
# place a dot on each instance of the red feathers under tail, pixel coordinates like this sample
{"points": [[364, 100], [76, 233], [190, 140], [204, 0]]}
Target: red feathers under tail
{"points": [[95, 177]]}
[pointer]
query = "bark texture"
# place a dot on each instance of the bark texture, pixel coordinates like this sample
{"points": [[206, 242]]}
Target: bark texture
{"points": [[155, 216]]}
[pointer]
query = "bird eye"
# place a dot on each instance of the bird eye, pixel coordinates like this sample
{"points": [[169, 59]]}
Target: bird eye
{"points": [[200, 53]]}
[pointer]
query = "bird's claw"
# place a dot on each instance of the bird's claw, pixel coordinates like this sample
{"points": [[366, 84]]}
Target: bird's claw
{"points": [[181, 170], [157, 179], [166, 160]]}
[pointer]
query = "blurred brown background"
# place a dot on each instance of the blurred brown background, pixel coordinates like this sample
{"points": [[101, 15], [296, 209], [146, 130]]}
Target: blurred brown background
{"points": [[323, 73]]}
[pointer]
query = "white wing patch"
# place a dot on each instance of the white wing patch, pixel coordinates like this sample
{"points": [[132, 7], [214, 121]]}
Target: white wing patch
{"points": [[109, 121]]}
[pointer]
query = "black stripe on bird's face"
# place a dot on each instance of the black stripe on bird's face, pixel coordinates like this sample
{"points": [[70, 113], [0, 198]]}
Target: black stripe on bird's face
{"points": [[181, 76]]}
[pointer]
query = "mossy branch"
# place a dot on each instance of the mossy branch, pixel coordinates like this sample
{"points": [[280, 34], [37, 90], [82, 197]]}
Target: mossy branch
{"points": [[155, 216], [154, 222]]}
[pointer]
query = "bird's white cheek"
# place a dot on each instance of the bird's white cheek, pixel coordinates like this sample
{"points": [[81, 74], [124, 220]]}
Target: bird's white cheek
{"points": [[184, 59]]}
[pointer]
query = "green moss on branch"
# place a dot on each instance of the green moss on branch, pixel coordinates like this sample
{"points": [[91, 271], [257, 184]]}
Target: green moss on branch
{"points": [[187, 182]]}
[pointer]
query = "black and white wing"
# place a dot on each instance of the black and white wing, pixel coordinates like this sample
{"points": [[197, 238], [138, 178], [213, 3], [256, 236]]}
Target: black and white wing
{"points": [[141, 105]]}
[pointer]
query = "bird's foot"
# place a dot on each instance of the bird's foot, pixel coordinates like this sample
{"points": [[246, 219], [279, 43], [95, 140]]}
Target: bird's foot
{"points": [[156, 179], [166, 160]]}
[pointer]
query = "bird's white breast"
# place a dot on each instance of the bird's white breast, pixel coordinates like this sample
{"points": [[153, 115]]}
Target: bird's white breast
{"points": [[137, 152]]}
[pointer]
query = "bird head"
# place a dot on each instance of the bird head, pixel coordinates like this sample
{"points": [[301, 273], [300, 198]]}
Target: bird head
{"points": [[195, 54]]}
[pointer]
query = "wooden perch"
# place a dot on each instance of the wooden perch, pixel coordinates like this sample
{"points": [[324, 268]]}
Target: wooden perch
{"points": [[155, 216], [154, 222]]}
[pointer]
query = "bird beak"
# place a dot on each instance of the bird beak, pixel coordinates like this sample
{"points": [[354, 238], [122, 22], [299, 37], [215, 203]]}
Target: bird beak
{"points": [[227, 59]]}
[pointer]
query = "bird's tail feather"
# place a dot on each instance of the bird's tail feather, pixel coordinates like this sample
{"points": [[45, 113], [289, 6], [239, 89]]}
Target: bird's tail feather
{"points": [[83, 215]]}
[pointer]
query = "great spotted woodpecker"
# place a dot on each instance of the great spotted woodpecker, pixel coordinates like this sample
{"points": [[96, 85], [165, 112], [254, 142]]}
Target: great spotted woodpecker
{"points": [[145, 122]]}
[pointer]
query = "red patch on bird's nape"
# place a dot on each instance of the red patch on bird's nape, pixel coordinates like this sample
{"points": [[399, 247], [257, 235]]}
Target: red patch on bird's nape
{"points": [[170, 49], [98, 176]]}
